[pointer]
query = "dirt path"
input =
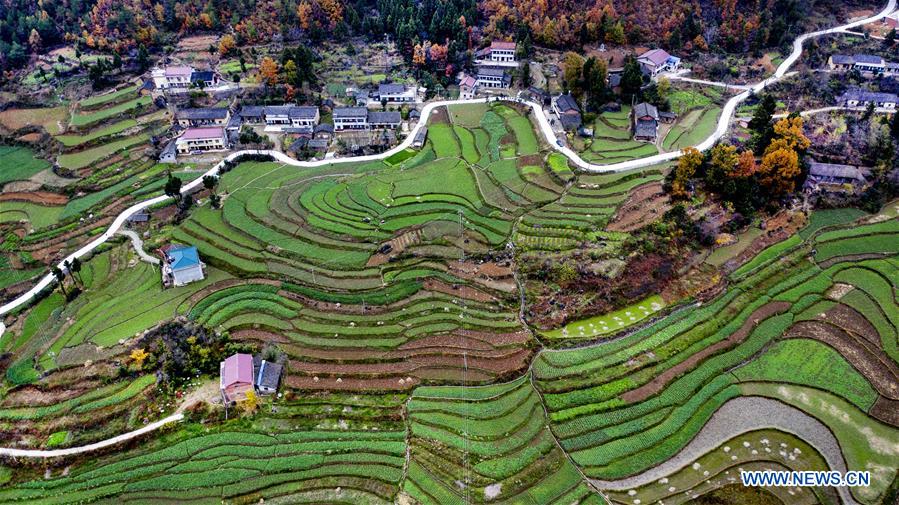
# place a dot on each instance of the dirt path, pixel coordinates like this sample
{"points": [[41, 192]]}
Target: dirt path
{"points": [[139, 246]]}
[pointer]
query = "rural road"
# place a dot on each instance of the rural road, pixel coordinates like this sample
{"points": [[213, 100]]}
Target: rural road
{"points": [[738, 416], [723, 124], [34, 453]]}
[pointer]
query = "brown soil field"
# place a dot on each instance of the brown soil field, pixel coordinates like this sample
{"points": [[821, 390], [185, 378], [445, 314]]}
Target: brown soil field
{"points": [[38, 197], [461, 291], [30, 396], [886, 410], [645, 204], [880, 370], [852, 322], [21, 186], [656, 385]]}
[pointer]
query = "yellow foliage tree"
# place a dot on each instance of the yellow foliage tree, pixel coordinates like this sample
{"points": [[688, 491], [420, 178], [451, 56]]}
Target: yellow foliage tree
{"points": [[745, 165], [724, 159], [304, 13], [779, 169], [418, 55], [138, 356], [251, 403], [268, 69], [226, 44], [686, 167], [788, 133]]}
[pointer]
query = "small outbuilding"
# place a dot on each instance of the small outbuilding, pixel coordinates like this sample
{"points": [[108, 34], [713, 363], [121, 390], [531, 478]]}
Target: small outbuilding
{"points": [[267, 376]]}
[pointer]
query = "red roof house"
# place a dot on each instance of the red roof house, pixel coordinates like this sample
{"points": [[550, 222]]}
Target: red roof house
{"points": [[236, 377]]}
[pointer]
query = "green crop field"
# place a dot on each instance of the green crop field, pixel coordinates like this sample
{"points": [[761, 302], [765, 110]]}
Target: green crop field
{"points": [[403, 298], [19, 163], [85, 119]]}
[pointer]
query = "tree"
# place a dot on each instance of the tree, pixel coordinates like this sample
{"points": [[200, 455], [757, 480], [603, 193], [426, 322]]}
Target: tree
{"points": [[173, 187], [594, 76], [143, 58], [34, 40], [890, 38], [760, 124], [745, 165], [291, 75], [209, 182], [779, 169], [631, 77], [526, 74], [215, 201], [789, 133], [227, 44], [723, 161], [251, 403], [268, 69], [76, 268], [894, 126], [138, 356], [60, 277], [572, 68], [687, 164]]}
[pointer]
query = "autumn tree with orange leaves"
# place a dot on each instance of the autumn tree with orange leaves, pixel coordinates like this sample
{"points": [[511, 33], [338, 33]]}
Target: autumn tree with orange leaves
{"points": [[780, 168], [268, 70]]}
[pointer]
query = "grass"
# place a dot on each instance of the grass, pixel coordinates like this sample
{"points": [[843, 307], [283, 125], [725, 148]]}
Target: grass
{"points": [[19, 163], [610, 323], [106, 98], [86, 119], [84, 158], [37, 216], [57, 438], [113, 129], [810, 363]]}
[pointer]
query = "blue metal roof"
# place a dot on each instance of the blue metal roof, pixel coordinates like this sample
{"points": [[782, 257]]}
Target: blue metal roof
{"points": [[183, 257]]}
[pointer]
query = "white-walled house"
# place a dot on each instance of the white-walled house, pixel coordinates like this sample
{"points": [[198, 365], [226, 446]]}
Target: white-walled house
{"points": [[291, 116], [499, 53], [206, 138], [350, 118]]}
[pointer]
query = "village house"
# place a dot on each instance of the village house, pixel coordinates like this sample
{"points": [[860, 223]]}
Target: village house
{"points": [[205, 138], [867, 64], [468, 87], [324, 131], [252, 114], [568, 111], [203, 79], [414, 116], [267, 375], [646, 122], [350, 118], [396, 93], [384, 120], [172, 78], [498, 53], [181, 265], [836, 178], [493, 77], [856, 97], [209, 116], [236, 378], [279, 117], [169, 153], [654, 61]]}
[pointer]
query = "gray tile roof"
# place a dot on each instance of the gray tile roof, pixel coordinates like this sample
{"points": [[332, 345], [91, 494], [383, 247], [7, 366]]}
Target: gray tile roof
{"points": [[842, 59], [645, 129], [269, 375], [203, 75], [252, 111], [835, 172], [863, 96], [203, 113], [304, 112], [869, 59], [391, 89], [566, 103], [384, 117], [644, 109], [491, 72], [340, 112]]}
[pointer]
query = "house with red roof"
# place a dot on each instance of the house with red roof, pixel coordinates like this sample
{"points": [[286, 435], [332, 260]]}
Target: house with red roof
{"points": [[468, 87], [236, 377], [206, 138]]}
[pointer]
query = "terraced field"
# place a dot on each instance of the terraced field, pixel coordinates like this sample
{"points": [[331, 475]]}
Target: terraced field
{"points": [[391, 289], [622, 407]]}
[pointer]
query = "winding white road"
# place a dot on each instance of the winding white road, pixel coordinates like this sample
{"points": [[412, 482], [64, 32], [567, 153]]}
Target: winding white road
{"points": [[723, 124]]}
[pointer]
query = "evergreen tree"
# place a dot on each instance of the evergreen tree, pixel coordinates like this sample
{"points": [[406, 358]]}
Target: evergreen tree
{"points": [[631, 77]]}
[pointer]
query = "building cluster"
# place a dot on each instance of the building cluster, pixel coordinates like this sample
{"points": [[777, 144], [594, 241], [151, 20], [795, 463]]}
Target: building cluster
{"points": [[241, 373], [493, 65], [867, 64], [857, 97]]}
